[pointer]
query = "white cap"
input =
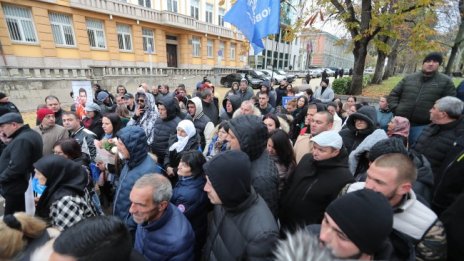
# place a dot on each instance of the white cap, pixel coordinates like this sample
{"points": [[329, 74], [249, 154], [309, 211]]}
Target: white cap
{"points": [[328, 139]]}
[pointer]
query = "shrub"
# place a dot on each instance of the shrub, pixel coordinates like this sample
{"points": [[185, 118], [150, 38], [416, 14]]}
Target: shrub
{"points": [[341, 85]]}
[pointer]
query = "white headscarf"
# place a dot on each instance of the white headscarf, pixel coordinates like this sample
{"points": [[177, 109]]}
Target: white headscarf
{"points": [[189, 128]]}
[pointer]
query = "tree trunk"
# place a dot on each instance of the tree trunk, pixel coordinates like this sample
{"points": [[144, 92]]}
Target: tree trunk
{"points": [[390, 69], [457, 41], [360, 53], [377, 77]]}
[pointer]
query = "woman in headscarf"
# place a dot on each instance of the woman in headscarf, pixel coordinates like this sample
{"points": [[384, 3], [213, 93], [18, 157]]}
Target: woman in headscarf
{"points": [[186, 139], [145, 114], [398, 127], [65, 201]]}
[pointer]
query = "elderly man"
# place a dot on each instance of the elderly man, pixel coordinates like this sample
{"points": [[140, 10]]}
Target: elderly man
{"points": [[437, 139], [24, 148], [415, 95], [417, 225], [249, 134], [133, 151], [163, 232], [48, 130], [317, 180], [242, 226]]}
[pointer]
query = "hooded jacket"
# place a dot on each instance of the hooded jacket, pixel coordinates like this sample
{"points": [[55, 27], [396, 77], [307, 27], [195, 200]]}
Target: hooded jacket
{"points": [[235, 101], [164, 128], [242, 227], [138, 164], [148, 118], [415, 94], [311, 189], [353, 137], [169, 238], [203, 124], [252, 135]]}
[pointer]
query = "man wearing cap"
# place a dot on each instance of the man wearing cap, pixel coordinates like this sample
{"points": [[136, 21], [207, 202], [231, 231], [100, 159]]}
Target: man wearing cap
{"points": [[317, 180], [103, 100], [48, 130], [16, 160], [242, 226], [415, 95], [417, 229], [357, 226], [130, 103], [6, 106]]}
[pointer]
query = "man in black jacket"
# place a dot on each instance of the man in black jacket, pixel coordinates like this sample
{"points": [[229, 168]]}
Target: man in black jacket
{"points": [[317, 180], [242, 226], [16, 160], [249, 134], [5, 105], [415, 95]]}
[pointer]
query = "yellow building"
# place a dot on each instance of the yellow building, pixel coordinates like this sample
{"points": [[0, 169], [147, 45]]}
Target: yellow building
{"points": [[114, 33]]}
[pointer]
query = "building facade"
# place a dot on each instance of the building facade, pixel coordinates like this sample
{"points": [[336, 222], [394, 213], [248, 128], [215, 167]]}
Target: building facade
{"points": [[184, 34], [322, 49]]}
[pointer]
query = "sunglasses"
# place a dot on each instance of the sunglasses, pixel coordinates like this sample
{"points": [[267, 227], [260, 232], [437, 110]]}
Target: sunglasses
{"points": [[140, 100]]}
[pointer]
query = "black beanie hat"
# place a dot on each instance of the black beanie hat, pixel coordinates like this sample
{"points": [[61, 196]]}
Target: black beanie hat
{"points": [[230, 176], [2, 95], [435, 56], [365, 216], [386, 146]]}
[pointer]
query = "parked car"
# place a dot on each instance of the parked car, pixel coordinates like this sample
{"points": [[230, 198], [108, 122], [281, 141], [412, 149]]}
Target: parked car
{"points": [[301, 74], [255, 74], [290, 77], [316, 72], [276, 78], [236, 77], [329, 71]]}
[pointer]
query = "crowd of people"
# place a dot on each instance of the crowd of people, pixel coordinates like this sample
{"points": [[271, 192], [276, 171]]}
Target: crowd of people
{"points": [[280, 174]]}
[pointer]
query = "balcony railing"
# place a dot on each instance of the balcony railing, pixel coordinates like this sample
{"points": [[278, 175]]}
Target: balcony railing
{"points": [[117, 8]]}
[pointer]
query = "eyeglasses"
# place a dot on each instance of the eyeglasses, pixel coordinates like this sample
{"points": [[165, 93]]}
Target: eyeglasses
{"points": [[140, 100]]}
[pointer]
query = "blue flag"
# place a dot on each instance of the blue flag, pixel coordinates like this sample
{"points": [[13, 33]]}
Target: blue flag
{"points": [[256, 19]]}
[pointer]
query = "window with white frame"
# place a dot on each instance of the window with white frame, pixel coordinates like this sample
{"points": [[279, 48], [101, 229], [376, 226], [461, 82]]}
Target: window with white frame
{"points": [[196, 46], [172, 6], [221, 17], [62, 29], [145, 3], [210, 48], [148, 40], [232, 51], [195, 9], [96, 33], [20, 24], [222, 49], [209, 13], [124, 37]]}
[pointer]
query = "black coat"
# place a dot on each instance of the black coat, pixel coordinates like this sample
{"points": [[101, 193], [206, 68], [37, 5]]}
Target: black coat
{"points": [[312, 187], [172, 158], [212, 111], [353, 137], [164, 128], [436, 141], [246, 232], [17, 159], [452, 220]]}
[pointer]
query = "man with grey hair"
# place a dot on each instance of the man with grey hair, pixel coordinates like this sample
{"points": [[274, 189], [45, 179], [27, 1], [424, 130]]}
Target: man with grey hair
{"points": [[247, 108], [163, 232], [437, 139]]}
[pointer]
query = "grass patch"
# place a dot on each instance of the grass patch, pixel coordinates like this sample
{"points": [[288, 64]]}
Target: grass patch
{"points": [[377, 90]]}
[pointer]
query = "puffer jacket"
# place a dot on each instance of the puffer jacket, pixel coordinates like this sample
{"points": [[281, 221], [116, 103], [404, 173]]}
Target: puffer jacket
{"points": [[353, 137], [190, 198], [436, 141], [169, 238], [252, 135], [139, 164], [246, 232], [416, 94], [164, 128]]}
